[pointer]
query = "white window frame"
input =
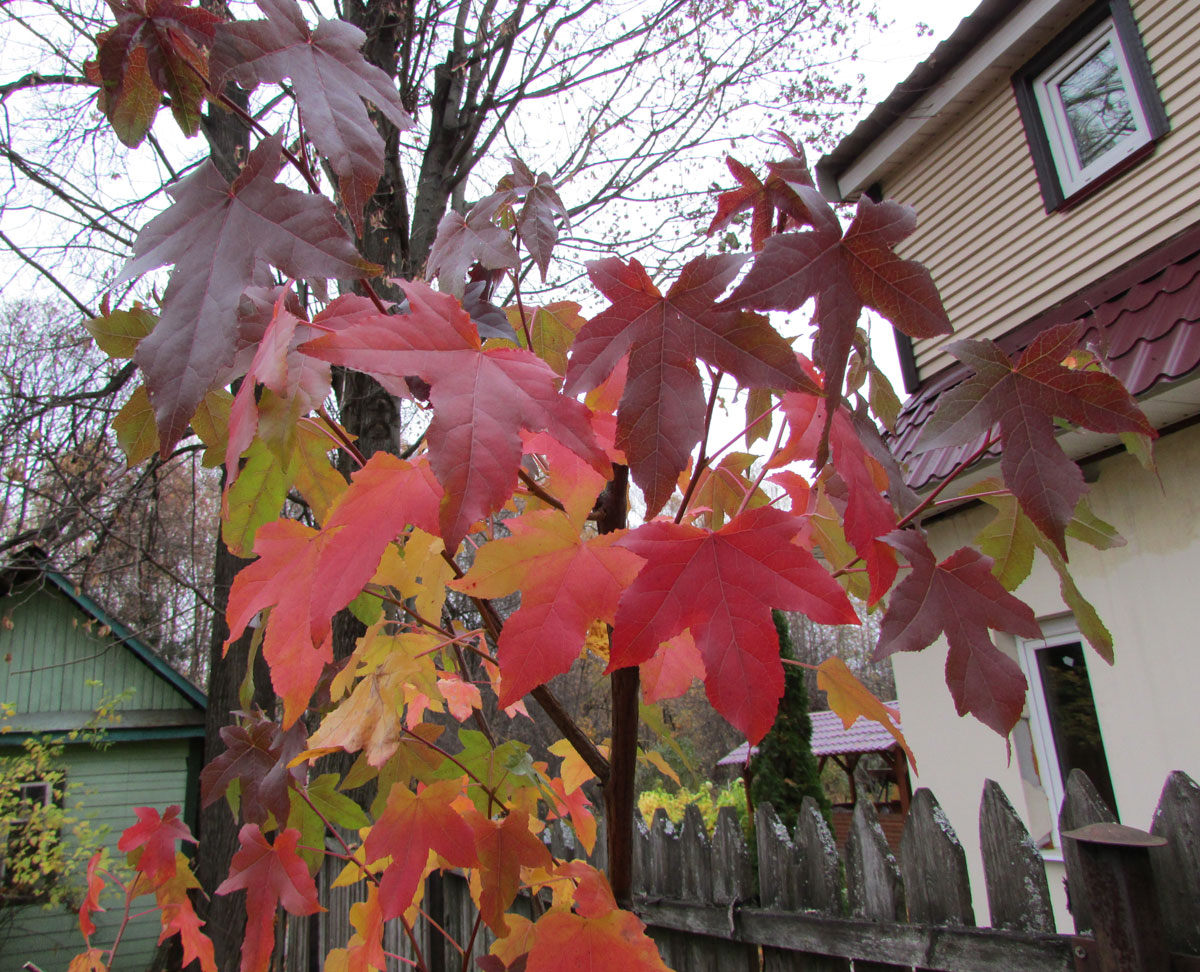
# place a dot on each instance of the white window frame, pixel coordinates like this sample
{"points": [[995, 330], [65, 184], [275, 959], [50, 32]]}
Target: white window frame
{"points": [[1055, 632], [1073, 177]]}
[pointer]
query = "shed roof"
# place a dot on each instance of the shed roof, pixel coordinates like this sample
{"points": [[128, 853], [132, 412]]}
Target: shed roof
{"points": [[829, 738]]}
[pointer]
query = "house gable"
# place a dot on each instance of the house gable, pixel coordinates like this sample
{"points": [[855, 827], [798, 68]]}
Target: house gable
{"points": [[62, 656]]}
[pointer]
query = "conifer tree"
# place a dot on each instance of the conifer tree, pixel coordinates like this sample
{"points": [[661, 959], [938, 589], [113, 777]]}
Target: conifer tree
{"points": [[784, 771]]}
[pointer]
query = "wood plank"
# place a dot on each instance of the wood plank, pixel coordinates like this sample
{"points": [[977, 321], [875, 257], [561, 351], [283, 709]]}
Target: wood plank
{"points": [[1017, 890], [733, 878], [1176, 867], [818, 885], [934, 866], [1082, 805], [873, 879], [940, 949]]}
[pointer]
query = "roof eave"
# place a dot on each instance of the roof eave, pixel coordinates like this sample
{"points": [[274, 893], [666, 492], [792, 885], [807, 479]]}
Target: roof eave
{"points": [[989, 44]]}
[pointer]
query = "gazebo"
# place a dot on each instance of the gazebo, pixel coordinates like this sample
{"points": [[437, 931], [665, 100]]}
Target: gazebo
{"points": [[847, 747]]}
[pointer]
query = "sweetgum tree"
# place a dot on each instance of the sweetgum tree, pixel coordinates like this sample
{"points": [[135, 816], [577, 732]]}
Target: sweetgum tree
{"points": [[547, 418]]}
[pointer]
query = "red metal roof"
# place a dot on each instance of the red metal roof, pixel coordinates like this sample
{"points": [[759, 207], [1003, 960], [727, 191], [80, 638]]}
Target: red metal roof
{"points": [[830, 739], [1149, 333]]}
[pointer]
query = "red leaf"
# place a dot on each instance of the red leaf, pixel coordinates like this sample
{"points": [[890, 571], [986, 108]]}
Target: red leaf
{"points": [[216, 234], [763, 199], [961, 597], [91, 900], [868, 514], [257, 756], [481, 399], [593, 894], [537, 220], [1023, 399], [306, 576], [271, 874], [155, 48], [410, 827], [504, 847], [331, 80], [843, 273], [670, 673], [156, 837], [474, 238], [723, 586], [567, 942], [661, 415], [566, 582]]}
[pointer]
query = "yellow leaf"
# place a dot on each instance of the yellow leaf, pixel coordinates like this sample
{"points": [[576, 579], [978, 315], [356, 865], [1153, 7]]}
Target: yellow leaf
{"points": [[211, 425], [118, 333], [655, 759], [850, 699]]}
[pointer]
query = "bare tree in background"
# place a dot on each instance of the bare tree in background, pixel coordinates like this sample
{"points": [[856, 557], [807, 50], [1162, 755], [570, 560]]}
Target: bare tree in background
{"points": [[627, 106]]}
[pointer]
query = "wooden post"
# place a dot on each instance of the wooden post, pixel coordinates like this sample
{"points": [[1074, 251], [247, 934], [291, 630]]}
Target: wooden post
{"points": [[1082, 805], [1114, 869], [1176, 866]]}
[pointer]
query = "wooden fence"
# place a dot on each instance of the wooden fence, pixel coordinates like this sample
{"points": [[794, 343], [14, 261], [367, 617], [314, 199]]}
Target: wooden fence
{"points": [[792, 902]]}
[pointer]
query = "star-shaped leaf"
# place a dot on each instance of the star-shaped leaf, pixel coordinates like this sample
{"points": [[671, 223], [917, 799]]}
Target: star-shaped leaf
{"points": [[215, 234], [504, 847], [764, 199], [661, 415], [464, 240], [1023, 399], [481, 399], [257, 756], [271, 874], [843, 273], [306, 576], [154, 835], [411, 825], [537, 220], [723, 586], [960, 597], [567, 942], [156, 48], [330, 79], [566, 582]]}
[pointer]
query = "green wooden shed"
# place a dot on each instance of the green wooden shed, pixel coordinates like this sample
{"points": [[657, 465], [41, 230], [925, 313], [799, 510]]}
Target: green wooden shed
{"points": [[61, 655]]}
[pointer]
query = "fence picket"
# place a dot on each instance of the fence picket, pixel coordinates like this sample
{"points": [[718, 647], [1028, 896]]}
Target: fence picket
{"points": [[934, 866], [872, 877], [1082, 805], [777, 878], [1176, 867], [818, 882], [1017, 890]]}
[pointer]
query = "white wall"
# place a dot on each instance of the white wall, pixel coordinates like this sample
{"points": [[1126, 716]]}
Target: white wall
{"points": [[1148, 594]]}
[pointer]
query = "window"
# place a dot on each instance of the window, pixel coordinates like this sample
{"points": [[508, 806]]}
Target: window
{"points": [[1064, 725], [29, 839], [1089, 104]]}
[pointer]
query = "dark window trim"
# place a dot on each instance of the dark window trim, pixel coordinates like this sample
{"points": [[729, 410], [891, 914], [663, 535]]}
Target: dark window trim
{"points": [[1146, 91]]}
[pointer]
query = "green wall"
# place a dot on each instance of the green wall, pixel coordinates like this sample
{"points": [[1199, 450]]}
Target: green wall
{"points": [[109, 783]]}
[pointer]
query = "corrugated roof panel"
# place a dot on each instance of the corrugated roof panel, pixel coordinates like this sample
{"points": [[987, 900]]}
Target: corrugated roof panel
{"points": [[1150, 335], [830, 739]]}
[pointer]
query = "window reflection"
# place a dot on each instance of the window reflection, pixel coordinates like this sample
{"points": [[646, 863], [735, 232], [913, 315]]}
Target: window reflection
{"points": [[1097, 105]]}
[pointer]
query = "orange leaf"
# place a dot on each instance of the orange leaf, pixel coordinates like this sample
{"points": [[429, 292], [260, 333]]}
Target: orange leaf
{"points": [[504, 846], [850, 699], [411, 825], [90, 961], [670, 673], [567, 942]]}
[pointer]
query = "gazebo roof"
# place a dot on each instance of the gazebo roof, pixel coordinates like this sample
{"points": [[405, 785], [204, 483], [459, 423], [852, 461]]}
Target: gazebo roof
{"points": [[830, 739]]}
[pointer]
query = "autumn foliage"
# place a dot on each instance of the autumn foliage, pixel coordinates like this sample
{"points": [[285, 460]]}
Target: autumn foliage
{"points": [[534, 414]]}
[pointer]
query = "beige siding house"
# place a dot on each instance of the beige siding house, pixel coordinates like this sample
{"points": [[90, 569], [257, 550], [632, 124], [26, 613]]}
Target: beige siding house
{"points": [[1051, 149]]}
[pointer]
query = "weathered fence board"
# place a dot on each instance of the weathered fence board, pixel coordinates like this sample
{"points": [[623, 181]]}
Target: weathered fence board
{"points": [[1017, 890], [710, 909]]}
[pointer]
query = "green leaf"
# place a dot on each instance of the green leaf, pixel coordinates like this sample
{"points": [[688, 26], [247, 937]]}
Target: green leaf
{"points": [[1090, 529], [758, 401], [1086, 618], [336, 807], [882, 398], [255, 498], [211, 425], [311, 846], [117, 334], [1141, 446], [652, 716], [134, 424]]}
